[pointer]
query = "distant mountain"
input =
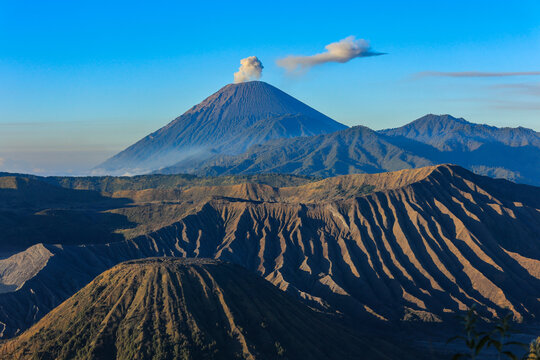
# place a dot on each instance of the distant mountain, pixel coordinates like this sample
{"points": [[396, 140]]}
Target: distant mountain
{"points": [[235, 117], [411, 245], [448, 133], [354, 150], [253, 127], [510, 153], [171, 308], [513, 154]]}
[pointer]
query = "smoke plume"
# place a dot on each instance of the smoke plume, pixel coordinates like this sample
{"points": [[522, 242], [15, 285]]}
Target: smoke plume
{"points": [[250, 69], [340, 52]]}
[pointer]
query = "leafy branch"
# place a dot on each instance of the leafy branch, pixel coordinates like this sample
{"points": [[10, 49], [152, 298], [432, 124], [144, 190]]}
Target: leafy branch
{"points": [[498, 338]]}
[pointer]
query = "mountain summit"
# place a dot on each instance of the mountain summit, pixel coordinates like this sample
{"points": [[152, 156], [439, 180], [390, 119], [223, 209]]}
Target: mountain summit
{"points": [[229, 121], [510, 153], [448, 133]]}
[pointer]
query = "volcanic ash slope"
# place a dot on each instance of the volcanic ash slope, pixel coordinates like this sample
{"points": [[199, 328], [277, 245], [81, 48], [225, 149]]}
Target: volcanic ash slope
{"points": [[171, 308]]}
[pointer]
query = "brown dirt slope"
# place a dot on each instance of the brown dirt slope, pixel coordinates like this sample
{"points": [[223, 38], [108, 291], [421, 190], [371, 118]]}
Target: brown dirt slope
{"points": [[423, 244], [410, 245], [171, 308]]}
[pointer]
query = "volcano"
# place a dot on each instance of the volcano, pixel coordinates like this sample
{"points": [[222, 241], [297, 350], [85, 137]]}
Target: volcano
{"points": [[228, 122], [172, 308]]}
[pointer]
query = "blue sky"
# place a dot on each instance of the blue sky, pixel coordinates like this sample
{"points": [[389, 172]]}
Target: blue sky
{"points": [[81, 80]]}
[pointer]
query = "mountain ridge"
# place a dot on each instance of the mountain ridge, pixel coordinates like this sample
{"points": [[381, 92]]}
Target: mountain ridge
{"points": [[414, 245], [353, 150], [513, 154], [253, 128], [447, 133]]}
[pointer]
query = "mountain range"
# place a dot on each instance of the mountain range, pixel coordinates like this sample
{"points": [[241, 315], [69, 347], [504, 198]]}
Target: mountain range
{"points": [[509, 153], [412, 245], [448, 133], [253, 127], [350, 151]]}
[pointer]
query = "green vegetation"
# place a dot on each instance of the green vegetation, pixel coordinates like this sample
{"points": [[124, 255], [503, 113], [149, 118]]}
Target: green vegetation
{"points": [[109, 184], [355, 190], [498, 337], [534, 350]]}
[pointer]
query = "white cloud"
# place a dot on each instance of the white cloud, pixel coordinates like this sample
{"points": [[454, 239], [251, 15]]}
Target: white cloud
{"points": [[475, 74], [340, 52]]}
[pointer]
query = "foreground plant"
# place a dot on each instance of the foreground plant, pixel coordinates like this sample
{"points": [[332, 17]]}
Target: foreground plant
{"points": [[498, 338], [534, 350]]}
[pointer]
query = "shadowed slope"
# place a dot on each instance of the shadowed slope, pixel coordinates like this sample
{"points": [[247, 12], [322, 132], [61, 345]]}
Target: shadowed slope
{"points": [[349, 151], [448, 133], [86, 210], [22, 191], [33, 211], [411, 245], [509, 153], [167, 308]]}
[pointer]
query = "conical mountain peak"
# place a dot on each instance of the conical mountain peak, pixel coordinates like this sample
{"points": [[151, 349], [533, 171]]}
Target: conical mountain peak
{"points": [[244, 103], [210, 126]]}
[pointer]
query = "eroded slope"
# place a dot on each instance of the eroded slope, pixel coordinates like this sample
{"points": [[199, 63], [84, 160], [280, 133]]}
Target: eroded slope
{"points": [[169, 308], [411, 245]]}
